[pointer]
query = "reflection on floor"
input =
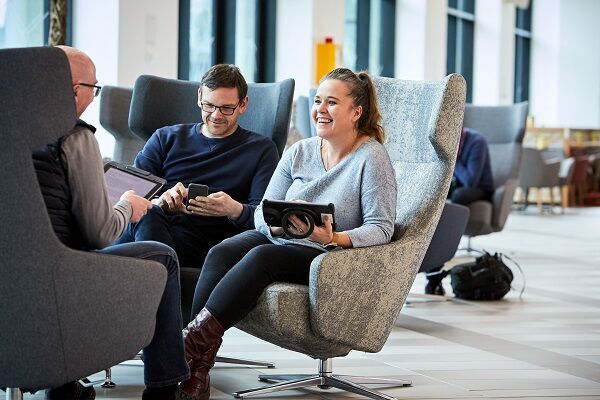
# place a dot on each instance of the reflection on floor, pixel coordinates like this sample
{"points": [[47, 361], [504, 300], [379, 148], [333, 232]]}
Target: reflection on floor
{"points": [[546, 345]]}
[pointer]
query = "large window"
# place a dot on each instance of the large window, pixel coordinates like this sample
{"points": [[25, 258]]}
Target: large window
{"points": [[461, 27], [370, 36], [23, 23], [240, 32], [27, 23], [522, 55]]}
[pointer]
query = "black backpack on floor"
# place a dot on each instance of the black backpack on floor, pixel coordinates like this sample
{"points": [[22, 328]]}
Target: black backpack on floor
{"points": [[487, 278]]}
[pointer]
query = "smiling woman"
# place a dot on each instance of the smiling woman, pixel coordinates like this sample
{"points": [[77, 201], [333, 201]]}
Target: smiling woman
{"points": [[347, 166]]}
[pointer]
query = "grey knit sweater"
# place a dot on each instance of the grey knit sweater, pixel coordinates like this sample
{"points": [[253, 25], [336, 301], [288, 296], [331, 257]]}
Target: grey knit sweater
{"points": [[362, 187]]}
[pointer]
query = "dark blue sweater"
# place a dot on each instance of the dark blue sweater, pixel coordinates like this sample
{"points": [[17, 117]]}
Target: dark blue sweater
{"points": [[473, 163], [240, 165]]}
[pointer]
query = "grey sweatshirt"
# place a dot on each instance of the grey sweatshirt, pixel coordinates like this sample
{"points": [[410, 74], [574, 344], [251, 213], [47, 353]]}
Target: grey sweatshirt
{"points": [[362, 187], [98, 221]]}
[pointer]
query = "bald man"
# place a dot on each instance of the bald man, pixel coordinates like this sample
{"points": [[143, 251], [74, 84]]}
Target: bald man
{"points": [[71, 177]]}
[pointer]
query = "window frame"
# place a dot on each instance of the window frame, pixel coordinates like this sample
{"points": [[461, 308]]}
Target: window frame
{"points": [[460, 41], [224, 31]]}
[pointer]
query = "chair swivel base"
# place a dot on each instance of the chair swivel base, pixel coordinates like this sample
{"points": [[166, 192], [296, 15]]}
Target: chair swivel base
{"points": [[240, 361], [324, 380]]}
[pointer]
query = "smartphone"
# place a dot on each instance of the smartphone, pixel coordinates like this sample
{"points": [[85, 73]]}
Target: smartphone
{"points": [[195, 190]]}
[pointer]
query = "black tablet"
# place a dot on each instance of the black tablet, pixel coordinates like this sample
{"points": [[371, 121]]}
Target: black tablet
{"points": [[276, 213], [121, 178]]}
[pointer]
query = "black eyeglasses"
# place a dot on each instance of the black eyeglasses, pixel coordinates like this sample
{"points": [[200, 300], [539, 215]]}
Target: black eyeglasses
{"points": [[97, 88], [225, 110]]}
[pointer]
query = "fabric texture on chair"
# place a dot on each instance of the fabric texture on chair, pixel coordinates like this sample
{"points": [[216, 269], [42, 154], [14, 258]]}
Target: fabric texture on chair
{"points": [[66, 313], [503, 127], [161, 102], [536, 172], [114, 117], [354, 295]]}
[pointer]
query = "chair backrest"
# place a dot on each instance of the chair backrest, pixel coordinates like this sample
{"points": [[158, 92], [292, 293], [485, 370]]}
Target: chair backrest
{"points": [[504, 128], [56, 301], [159, 102], [114, 117], [303, 122], [531, 170], [422, 123]]}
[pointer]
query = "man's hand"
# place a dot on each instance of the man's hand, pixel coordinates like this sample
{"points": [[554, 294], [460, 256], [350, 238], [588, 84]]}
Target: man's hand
{"points": [[172, 200], [218, 204], [139, 205]]}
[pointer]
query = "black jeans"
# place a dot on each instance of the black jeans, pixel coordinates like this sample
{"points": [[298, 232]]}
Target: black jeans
{"points": [[164, 362], [236, 272], [466, 195], [191, 241]]}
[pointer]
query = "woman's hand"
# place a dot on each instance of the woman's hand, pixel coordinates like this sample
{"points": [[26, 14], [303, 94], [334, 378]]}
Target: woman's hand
{"points": [[321, 234]]}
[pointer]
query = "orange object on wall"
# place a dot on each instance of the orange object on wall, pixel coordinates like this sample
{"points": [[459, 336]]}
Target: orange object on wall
{"points": [[324, 58]]}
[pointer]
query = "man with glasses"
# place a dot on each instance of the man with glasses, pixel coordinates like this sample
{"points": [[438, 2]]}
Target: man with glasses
{"points": [[71, 177], [234, 163]]}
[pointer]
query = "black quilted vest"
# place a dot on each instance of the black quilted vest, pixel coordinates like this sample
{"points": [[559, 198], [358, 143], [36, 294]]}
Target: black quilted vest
{"points": [[52, 175]]}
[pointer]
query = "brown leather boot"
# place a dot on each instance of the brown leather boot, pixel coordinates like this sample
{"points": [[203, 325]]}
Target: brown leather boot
{"points": [[202, 338]]}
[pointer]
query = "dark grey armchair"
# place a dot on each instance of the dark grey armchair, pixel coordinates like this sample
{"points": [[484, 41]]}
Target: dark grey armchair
{"points": [[66, 314], [114, 117], [354, 295], [504, 128]]}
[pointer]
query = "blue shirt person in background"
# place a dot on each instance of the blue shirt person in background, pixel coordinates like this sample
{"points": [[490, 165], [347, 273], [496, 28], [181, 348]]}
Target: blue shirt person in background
{"points": [[472, 178], [234, 163]]}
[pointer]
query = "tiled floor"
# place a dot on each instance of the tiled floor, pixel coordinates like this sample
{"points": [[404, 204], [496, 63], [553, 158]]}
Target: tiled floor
{"points": [[545, 345]]}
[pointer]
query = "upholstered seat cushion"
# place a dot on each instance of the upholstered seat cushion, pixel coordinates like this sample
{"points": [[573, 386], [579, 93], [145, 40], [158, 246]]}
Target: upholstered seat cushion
{"points": [[282, 316]]}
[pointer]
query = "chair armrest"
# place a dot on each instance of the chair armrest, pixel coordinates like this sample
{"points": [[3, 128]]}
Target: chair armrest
{"points": [[105, 302], [354, 305]]}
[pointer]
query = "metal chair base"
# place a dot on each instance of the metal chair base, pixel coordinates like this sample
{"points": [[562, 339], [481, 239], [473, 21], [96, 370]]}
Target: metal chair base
{"points": [[228, 360], [107, 382], [325, 379]]}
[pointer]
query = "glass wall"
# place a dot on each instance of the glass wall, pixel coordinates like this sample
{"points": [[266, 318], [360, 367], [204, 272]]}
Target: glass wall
{"points": [[23, 23], [522, 53], [370, 36], [240, 32], [461, 28]]}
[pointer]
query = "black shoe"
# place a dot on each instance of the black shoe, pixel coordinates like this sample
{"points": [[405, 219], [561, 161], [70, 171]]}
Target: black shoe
{"points": [[162, 393], [71, 391], [434, 282], [435, 288]]}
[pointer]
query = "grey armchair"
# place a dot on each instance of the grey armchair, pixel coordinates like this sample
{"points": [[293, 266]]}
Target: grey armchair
{"points": [[114, 116], [537, 173], [503, 128], [354, 295], [66, 314]]}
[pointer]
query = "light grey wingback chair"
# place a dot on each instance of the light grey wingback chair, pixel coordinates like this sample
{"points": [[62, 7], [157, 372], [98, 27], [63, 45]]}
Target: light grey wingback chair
{"points": [[65, 314], [114, 116], [354, 295], [503, 127]]}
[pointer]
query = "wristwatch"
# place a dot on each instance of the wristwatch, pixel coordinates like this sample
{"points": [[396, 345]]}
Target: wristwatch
{"points": [[334, 242]]}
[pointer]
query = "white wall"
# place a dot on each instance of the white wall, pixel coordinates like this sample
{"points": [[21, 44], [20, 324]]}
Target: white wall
{"points": [[565, 63], [300, 25], [494, 53], [125, 39], [421, 30]]}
